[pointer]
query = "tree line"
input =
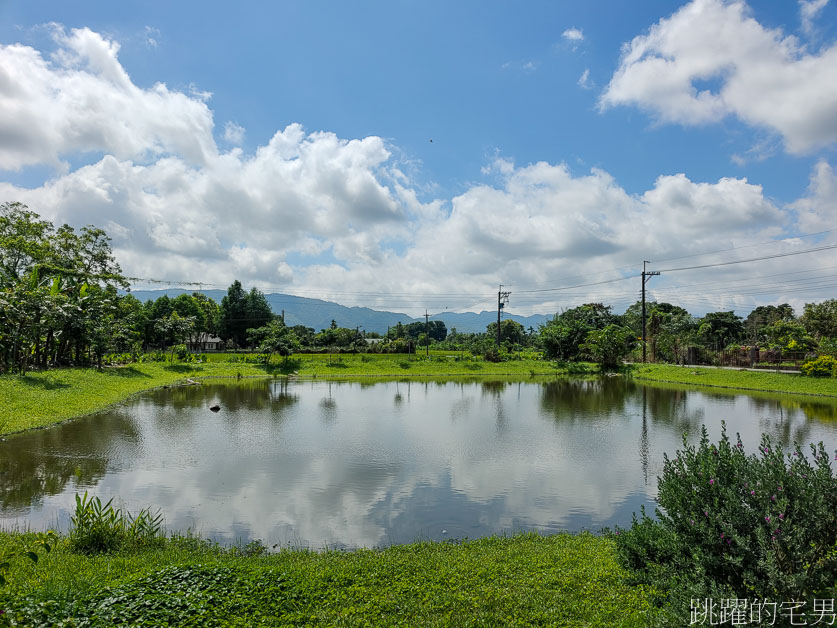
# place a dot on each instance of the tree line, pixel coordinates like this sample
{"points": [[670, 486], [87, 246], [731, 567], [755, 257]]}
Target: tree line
{"points": [[65, 301]]}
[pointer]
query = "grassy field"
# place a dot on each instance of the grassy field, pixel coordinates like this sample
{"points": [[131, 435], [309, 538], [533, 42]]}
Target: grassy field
{"points": [[559, 580], [741, 380]]}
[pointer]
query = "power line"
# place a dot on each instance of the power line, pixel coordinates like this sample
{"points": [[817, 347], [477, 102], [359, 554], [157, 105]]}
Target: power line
{"points": [[753, 259], [745, 246]]}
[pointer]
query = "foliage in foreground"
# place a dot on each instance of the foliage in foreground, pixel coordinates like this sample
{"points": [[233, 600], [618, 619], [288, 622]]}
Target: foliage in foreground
{"points": [[102, 528], [565, 580], [26, 548], [733, 525]]}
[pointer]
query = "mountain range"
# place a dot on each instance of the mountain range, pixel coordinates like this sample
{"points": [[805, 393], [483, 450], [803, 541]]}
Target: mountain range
{"points": [[318, 314]]}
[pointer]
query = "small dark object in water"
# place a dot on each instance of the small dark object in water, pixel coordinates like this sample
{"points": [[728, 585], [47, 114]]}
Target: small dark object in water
{"points": [[215, 408]]}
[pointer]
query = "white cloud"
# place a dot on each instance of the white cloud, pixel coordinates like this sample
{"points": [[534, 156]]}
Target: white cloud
{"points": [[152, 37], [763, 77], [584, 80], [808, 11], [573, 34], [342, 203], [83, 100], [818, 209], [234, 133]]}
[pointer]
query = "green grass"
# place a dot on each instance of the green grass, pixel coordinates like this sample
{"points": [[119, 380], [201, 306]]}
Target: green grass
{"points": [[741, 380], [44, 398], [560, 580]]}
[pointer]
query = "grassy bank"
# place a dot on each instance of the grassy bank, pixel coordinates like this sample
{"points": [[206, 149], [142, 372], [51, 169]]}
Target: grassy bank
{"points": [[741, 380], [44, 398], [566, 580], [40, 399]]}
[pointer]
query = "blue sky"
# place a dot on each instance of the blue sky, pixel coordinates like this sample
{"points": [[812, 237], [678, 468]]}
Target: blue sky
{"points": [[568, 139]]}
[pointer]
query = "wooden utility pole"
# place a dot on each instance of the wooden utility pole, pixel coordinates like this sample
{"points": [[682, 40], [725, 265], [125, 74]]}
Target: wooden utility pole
{"points": [[645, 277], [502, 299]]}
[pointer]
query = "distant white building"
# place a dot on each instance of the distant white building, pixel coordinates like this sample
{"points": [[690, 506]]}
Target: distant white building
{"points": [[211, 343]]}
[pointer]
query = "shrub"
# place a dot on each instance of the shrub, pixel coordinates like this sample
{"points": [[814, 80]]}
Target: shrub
{"points": [[100, 528], [491, 355], [737, 526], [823, 366]]}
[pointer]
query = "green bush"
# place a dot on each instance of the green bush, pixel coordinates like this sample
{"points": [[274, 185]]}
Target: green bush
{"points": [[823, 366], [737, 526], [100, 528], [491, 355]]}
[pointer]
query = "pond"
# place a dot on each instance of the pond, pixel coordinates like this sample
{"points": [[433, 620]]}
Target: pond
{"points": [[348, 464]]}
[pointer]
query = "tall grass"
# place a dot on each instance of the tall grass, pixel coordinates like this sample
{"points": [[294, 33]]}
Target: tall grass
{"points": [[98, 528]]}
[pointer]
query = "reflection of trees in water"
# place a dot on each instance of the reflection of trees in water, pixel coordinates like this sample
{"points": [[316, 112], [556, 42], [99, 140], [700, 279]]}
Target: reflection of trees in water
{"points": [[494, 388], [823, 410], [328, 407], [582, 399], [261, 394], [670, 407], [579, 399], [44, 462], [783, 422]]}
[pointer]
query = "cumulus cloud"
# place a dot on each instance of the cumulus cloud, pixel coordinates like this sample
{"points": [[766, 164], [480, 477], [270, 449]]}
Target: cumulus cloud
{"points": [[712, 59], [178, 208], [81, 99], [818, 209], [573, 34]]}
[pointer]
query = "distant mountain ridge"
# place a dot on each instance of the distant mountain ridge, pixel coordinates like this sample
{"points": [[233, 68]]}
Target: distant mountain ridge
{"points": [[318, 314]]}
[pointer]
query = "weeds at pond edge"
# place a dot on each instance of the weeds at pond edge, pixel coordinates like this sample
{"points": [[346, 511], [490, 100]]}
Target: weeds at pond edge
{"points": [[100, 528]]}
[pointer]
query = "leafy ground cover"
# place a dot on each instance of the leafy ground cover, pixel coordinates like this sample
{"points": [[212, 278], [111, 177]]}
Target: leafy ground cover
{"points": [[562, 580], [742, 380], [43, 398]]}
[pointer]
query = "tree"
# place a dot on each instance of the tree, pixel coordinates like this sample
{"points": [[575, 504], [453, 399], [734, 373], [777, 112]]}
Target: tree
{"points": [[304, 334], [820, 319], [258, 309], [233, 325], [763, 316], [272, 338], [187, 306], [790, 336], [720, 329], [57, 290], [177, 328], [561, 338], [633, 315], [609, 346], [211, 317], [511, 332]]}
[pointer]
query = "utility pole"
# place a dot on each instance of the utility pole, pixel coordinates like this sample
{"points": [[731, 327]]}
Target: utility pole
{"points": [[502, 299], [427, 331], [645, 277]]}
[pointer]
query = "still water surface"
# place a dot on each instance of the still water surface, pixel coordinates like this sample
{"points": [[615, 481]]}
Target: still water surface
{"points": [[368, 464]]}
